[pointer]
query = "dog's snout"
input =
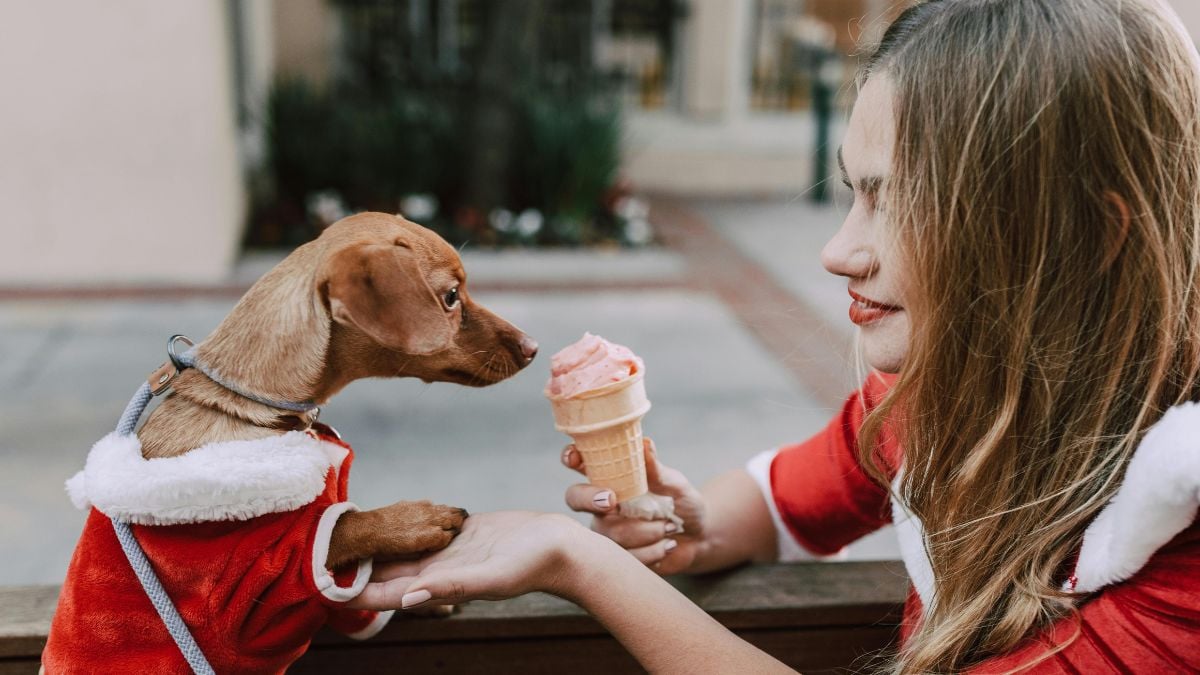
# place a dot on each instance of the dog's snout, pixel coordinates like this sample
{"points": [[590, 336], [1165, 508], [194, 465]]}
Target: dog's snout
{"points": [[528, 346]]}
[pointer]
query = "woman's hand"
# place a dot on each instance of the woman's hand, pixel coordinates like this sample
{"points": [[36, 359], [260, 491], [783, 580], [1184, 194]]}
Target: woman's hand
{"points": [[496, 556], [501, 555], [651, 541]]}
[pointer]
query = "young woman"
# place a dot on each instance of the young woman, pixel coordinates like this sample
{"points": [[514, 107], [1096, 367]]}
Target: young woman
{"points": [[1024, 258]]}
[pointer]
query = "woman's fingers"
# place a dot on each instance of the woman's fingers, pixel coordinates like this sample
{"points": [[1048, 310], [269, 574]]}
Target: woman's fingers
{"points": [[433, 587], [652, 467], [663, 480], [633, 533], [572, 459], [454, 585], [382, 595], [601, 502], [591, 499], [656, 553]]}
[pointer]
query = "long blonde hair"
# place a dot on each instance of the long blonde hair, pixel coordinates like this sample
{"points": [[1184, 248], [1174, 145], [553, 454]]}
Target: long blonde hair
{"points": [[1045, 193]]}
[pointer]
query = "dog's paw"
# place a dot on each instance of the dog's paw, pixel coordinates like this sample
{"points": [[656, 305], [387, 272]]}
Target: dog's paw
{"points": [[419, 527]]}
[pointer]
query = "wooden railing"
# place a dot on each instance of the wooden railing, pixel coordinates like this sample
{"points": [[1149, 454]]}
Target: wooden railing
{"points": [[813, 616]]}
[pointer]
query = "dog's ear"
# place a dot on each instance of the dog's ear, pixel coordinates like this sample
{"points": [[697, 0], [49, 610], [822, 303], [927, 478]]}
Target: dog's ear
{"points": [[381, 291]]}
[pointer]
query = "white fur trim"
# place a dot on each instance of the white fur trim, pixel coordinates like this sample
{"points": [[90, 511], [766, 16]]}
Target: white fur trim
{"points": [[911, 535], [235, 480], [788, 549], [381, 619], [1157, 500], [322, 576]]}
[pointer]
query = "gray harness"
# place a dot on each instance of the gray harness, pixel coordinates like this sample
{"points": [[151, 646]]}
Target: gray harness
{"points": [[159, 382]]}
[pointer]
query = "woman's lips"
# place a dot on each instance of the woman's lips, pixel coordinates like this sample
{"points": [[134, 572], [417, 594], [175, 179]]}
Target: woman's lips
{"points": [[864, 310]]}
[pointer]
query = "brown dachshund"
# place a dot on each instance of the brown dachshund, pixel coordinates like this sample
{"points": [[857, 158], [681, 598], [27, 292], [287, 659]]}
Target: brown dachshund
{"points": [[374, 296]]}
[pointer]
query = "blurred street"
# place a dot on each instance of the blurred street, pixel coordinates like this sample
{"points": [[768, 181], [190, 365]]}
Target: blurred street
{"points": [[744, 337]]}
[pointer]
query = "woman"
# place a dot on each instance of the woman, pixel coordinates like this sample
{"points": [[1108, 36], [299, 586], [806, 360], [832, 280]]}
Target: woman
{"points": [[1024, 253]]}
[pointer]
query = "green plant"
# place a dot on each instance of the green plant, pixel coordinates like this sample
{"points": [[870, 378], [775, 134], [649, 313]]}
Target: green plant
{"points": [[539, 138], [571, 159]]}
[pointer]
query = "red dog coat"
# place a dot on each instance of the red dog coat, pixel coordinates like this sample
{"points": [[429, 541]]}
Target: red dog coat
{"points": [[238, 534]]}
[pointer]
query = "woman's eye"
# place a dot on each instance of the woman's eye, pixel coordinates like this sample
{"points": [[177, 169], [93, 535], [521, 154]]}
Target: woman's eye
{"points": [[451, 298]]}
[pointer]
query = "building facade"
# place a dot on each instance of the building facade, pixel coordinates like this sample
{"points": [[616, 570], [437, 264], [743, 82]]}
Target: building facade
{"points": [[127, 127]]}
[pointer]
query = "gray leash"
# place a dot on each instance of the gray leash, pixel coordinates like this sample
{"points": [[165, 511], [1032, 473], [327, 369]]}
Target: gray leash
{"points": [[141, 565], [161, 379]]}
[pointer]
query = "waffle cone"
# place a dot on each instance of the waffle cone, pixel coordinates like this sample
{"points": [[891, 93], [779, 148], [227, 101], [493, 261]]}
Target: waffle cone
{"points": [[606, 424]]}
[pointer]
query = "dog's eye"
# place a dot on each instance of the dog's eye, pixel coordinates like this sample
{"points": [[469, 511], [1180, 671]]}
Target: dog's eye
{"points": [[451, 298]]}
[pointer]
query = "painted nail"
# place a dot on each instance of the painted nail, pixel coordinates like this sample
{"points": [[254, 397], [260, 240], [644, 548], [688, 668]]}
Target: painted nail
{"points": [[671, 528], [603, 500], [670, 545], [415, 598]]}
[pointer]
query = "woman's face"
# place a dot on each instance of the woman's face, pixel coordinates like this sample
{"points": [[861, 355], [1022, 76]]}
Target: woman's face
{"points": [[862, 250]]}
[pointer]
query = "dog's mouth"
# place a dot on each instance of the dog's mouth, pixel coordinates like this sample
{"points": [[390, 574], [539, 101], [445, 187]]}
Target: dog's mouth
{"points": [[461, 376], [487, 374]]}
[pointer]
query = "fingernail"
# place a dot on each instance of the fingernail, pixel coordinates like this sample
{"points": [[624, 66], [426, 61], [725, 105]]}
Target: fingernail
{"points": [[566, 455], [668, 546], [415, 598], [671, 528], [603, 500]]}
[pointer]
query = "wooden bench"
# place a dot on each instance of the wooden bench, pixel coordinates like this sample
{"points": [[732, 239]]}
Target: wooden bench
{"points": [[812, 616]]}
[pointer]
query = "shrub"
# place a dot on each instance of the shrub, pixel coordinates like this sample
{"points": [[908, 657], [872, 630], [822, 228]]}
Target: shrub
{"points": [[374, 149]]}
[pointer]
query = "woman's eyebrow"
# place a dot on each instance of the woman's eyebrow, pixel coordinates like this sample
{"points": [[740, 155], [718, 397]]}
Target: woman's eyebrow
{"points": [[868, 186]]}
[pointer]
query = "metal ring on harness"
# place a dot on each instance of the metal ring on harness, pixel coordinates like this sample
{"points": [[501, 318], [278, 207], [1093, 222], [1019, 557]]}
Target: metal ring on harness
{"points": [[171, 350]]}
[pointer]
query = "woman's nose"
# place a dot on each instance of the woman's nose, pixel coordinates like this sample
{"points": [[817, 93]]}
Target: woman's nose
{"points": [[848, 254]]}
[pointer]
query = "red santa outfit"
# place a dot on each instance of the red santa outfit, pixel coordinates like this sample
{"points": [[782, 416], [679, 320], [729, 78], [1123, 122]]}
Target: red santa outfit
{"points": [[1139, 562], [238, 534]]}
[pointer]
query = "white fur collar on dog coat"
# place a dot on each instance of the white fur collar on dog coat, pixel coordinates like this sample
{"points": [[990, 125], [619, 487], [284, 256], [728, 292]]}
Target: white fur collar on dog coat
{"points": [[235, 480]]}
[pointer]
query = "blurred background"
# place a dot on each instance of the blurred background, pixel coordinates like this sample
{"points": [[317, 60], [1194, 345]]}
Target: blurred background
{"points": [[655, 171]]}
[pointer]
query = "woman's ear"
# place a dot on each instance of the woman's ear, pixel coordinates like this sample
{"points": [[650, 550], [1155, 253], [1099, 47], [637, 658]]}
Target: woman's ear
{"points": [[381, 291], [1116, 230]]}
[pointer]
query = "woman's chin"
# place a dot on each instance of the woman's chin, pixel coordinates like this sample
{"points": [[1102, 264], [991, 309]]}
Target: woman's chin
{"points": [[889, 367], [885, 346]]}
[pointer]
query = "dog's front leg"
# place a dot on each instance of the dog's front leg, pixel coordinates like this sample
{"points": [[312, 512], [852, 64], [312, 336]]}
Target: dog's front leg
{"points": [[392, 532]]}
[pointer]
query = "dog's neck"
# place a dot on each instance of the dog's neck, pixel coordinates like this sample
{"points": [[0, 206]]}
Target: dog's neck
{"points": [[195, 388], [275, 344], [274, 341]]}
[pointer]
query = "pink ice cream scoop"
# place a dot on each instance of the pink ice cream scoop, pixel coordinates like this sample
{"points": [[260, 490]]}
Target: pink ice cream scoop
{"points": [[590, 363]]}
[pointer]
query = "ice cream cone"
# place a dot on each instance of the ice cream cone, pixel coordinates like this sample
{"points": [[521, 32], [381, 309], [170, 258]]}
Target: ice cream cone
{"points": [[606, 424]]}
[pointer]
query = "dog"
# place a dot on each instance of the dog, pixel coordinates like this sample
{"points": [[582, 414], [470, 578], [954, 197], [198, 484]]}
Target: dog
{"points": [[240, 505]]}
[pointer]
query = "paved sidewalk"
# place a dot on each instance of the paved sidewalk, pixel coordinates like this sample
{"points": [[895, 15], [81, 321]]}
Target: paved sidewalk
{"points": [[785, 236], [720, 394]]}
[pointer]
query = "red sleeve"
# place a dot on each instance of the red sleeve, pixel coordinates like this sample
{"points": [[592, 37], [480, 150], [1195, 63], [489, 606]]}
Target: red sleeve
{"points": [[824, 496], [1149, 624]]}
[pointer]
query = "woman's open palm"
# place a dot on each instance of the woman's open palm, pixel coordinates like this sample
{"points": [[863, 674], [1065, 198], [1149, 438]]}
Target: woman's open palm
{"points": [[498, 555]]}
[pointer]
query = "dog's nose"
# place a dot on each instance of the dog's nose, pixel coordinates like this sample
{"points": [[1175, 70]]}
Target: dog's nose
{"points": [[529, 347]]}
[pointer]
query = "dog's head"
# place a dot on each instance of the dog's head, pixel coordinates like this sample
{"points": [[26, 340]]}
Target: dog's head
{"points": [[397, 296]]}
